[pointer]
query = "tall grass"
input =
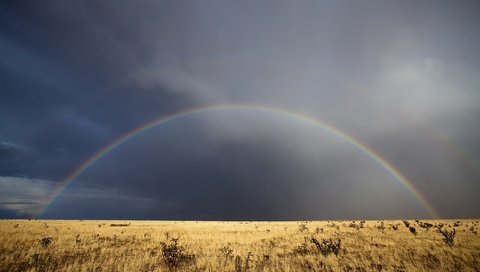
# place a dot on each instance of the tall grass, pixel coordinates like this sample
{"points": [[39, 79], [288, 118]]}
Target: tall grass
{"points": [[239, 246]]}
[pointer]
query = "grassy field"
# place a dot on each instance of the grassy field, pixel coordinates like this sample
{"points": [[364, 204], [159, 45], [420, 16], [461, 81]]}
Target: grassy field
{"points": [[51, 245]]}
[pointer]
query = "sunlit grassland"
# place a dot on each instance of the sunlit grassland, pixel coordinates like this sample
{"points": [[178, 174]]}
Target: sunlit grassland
{"points": [[56, 245]]}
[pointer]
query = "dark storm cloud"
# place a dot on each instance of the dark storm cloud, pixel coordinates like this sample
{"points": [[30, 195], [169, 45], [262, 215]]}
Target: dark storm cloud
{"points": [[58, 99], [11, 157], [400, 76], [252, 176], [9, 150]]}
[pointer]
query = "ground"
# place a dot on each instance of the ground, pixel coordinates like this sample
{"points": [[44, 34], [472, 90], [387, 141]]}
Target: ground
{"points": [[383, 245]]}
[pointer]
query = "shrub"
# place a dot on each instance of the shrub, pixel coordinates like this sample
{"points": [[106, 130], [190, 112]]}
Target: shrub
{"points": [[239, 267], [46, 241], [425, 225], [413, 230], [473, 230], [331, 225], [327, 246], [119, 225], [174, 255], [381, 227], [301, 249], [355, 226], [448, 236], [302, 227], [227, 253], [238, 264]]}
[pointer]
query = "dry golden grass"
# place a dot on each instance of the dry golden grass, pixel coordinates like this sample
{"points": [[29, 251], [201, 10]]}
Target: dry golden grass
{"points": [[226, 246]]}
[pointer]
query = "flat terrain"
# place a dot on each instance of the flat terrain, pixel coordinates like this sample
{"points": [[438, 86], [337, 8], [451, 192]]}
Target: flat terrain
{"points": [[425, 245]]}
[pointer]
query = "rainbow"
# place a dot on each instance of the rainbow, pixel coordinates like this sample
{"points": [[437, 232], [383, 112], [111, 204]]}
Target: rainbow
{"points": [[374, 156]]}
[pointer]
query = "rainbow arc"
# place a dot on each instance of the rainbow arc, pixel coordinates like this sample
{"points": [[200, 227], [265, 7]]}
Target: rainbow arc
{"points": [[364, 149]]}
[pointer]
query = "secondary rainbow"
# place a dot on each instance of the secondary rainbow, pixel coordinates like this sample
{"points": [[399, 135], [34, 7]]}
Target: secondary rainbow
{"points": [[377, 158]]}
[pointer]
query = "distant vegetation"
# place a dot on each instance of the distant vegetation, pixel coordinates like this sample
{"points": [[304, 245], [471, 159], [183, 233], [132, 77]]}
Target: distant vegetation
{"points": [[408, 245]]}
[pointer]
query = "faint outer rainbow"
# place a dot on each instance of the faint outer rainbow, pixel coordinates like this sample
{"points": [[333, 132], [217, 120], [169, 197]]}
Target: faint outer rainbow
{"points": [[388, 167]]}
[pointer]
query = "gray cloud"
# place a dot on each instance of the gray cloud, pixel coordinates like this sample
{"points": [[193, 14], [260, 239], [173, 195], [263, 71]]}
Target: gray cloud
{"points": [[24, 196], [400, 77]]}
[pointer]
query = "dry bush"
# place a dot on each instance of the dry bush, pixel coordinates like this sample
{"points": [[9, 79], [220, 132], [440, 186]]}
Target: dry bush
{"points": [[448, 236], [381, 227], [227, 253], [394, 226], [174, 255], [302, 228], [413, 230], [356, 226], [46, 241], [425, 225], [240, 265], [119, 225], [327, 245], [301, 249]]}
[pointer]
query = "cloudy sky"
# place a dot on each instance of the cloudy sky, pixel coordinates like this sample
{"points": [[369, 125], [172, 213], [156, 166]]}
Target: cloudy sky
{"points": [[401, 77]]}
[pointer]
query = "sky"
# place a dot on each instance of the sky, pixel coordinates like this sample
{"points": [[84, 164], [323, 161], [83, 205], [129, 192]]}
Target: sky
{"points": [[401, 78]]}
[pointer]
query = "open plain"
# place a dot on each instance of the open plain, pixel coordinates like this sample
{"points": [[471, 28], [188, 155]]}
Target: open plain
{"points": [[383, 245]]}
